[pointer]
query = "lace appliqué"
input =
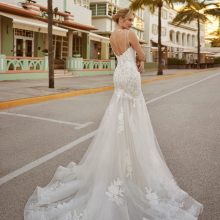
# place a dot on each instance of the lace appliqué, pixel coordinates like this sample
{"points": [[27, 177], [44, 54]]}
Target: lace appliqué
{"points": [[151, 196], [76, 216], [115, 192], [194, 210], [155, 202], [121, 94], [128, 165], [120, 122], [62, 174]]}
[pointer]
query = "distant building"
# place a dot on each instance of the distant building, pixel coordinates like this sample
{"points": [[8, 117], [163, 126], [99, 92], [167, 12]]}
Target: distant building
{"points": [[23, 29], [102, 12], [177, 41]]}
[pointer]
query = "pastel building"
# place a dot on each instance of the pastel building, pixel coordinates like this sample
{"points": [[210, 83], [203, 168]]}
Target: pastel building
{"points": [[102, 12], [23, 34], [177, 41]]}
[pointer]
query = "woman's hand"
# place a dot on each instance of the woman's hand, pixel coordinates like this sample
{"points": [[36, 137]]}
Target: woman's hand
{"points": [[139, 66]]}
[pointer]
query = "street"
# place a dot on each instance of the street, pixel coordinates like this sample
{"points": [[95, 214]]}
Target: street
{"points": [[35, 139]]}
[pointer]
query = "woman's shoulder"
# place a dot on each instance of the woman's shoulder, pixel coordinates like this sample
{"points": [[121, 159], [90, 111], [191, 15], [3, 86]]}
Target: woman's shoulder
{"points": [[122, 32]]}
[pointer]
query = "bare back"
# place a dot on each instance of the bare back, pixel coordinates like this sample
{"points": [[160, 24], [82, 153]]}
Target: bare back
{"points": [[122, 39]]}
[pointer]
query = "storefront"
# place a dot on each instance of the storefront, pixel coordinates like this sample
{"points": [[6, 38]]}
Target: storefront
{"points": [[26, 37]]}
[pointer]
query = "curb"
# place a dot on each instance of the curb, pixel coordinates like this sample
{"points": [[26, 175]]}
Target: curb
{"points": [[37, 99]]}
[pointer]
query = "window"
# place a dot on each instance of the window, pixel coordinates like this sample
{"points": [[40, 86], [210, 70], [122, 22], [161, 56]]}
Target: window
{"points": [[171, 16], [164, 14], [24, 33], [138, 23], [112, 10], [163, 31], [93, 9], [98, 9], [140, 13], [83, 3], [172, 36], [77, 45], [154, 29], [101, 9]]}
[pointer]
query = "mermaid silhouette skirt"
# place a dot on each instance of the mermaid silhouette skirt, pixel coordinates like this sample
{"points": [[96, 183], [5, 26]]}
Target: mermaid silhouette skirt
{"points": [[123, 174]]}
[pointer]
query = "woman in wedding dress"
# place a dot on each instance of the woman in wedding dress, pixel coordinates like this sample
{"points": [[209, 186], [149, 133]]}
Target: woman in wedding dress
{"points": [[123, 174]]}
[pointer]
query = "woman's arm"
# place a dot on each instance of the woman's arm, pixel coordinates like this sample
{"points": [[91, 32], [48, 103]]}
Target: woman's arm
{"points": [[136, 45]]}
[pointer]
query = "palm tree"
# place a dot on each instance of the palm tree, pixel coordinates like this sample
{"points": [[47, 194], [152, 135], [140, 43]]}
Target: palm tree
{"points": [[216, 38], [50, 43], [153, 5], [198, 11]]}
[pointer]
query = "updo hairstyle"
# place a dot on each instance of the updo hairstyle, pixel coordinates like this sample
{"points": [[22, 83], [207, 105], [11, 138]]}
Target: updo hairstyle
{"points": [[122, 13]]}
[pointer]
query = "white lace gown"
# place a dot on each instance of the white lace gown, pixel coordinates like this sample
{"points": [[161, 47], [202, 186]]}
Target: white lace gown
{"points": [[123, 175]]}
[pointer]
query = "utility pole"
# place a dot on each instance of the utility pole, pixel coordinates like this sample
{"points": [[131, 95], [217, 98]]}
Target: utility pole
{"points": [[50, 43]]}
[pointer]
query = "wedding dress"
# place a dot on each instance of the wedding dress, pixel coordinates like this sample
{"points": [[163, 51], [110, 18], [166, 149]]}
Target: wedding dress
{"points": [[123, 174]]}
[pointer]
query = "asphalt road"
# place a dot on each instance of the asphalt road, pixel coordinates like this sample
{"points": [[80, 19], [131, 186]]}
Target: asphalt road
{"points": [[185, 113]]}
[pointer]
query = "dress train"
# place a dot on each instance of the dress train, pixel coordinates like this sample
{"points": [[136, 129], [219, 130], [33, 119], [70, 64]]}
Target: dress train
{"points": [[123, 174]]}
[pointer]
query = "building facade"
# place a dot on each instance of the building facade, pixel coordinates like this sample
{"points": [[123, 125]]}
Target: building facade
{"points": [[102, 12], [23, 30], [177, 41]]}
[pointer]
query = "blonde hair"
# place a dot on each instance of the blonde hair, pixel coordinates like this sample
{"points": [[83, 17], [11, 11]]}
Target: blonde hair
{"points": [[122, 13]]}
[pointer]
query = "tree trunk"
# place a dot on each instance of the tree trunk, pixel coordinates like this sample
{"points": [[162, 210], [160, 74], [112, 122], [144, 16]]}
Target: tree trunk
{"points": [[198, 51], [160, 67], [50, 44]]}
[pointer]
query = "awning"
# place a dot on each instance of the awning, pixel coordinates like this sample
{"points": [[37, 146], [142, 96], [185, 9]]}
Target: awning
{"points": [[189, 51], [33, 24], [194, 50], [96, 37], [167, 43], [216, 55]]}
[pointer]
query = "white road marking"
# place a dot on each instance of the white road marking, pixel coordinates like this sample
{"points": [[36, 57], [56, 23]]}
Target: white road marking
{"points": [[61, 150], [45, 158], [83, 125], [77, 125], [180, 89]]}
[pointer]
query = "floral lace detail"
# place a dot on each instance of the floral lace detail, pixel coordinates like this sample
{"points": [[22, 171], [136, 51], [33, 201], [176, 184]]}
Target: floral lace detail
{"points": [[175, 203], [69, 216], [155, 202], [128, 164], [77, 216], [194, 210], [120, 122], [115, 192], [74, 215], [126, 76], [56, 185], [151, 196], [61, 174]]}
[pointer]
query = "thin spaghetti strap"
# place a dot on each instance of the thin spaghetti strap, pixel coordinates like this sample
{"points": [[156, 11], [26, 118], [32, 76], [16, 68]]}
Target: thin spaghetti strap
{"points": [[127, 39]]}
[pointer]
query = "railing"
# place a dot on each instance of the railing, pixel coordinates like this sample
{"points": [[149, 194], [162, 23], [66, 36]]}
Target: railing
{"points": [[23, 64], [96, 64], [78, 63]]}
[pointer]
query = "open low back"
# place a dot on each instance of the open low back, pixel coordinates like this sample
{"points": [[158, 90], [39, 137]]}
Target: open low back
{"points": [[120, 41]]}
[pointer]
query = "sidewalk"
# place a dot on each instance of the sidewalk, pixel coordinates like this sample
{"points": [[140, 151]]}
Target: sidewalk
{"points": [[21, 92]]}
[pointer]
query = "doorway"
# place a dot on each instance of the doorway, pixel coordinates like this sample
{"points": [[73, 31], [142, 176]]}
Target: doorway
{"points": [[19, 47], [28, 48], [24, 43], [24, 47]]}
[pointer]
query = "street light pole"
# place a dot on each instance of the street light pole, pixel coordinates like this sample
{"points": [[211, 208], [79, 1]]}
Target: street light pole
{"points": [[50, 43]]}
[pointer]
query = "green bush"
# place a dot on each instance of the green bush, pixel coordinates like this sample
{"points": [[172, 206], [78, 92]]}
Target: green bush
{"points": [[175, 61], [217, 60]]}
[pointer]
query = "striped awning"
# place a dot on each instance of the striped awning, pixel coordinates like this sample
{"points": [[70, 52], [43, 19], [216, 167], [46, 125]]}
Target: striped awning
{"points": [[31, 24]]}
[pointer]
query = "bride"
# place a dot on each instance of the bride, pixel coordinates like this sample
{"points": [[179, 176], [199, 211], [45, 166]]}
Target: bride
{"points": [[123, 174]]}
